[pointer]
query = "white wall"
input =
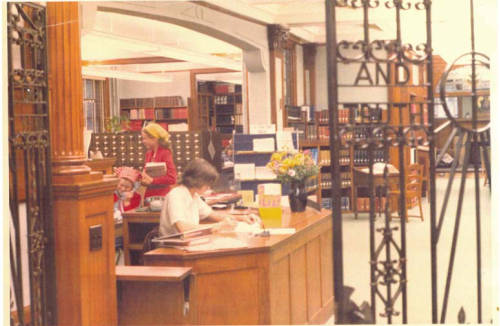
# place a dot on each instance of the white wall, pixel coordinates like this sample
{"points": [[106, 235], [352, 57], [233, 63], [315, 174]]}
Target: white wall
{"points": [[347, 75], [180, 85], [300, 74]]}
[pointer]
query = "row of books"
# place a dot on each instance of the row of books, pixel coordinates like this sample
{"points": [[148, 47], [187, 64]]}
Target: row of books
{"points": [[178, 113], [226, 88], [364, 133], [360, 114], [150, 102], [227, 99], [361, 156], [363, 203], [152, 114], [324, 157], [345, 203], [345, 180], [326, 181], [137, 125]]}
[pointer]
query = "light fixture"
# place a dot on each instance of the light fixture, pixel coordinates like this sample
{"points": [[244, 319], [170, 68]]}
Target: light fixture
{"points": [[156, 49], [122, 74]]}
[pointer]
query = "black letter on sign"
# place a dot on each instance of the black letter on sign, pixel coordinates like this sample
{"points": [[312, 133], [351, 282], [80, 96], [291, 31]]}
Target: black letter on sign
{"points": [[367, 77], [380, 72]]}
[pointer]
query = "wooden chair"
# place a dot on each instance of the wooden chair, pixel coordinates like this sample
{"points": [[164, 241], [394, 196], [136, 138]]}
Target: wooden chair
{"points": [[148, 244], [413, 190]]}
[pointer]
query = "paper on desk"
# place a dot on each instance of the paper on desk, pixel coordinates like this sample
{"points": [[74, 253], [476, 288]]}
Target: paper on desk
{"points": [[218, 243], [243, 227], [281, 231], [263, 144]]}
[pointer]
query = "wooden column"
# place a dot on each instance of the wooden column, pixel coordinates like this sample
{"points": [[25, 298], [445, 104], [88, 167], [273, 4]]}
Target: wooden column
{"points": [[310, 66], [82, 200], [65, 87], [277, 38]]}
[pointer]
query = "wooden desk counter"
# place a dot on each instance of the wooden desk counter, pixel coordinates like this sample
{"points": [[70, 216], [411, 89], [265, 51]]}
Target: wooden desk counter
{"points": [[281, 279]]}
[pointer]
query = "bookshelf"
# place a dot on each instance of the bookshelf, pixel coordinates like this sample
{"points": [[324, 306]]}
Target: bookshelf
{"points": [[316, 139], [220, 107], [168, 111], [244, 153]]}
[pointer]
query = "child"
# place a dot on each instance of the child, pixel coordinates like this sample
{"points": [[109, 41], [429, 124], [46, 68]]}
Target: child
{"points": [[125, 198]]}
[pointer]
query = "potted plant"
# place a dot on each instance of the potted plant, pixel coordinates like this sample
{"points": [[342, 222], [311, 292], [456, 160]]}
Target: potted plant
{"points": [[294, 168]]}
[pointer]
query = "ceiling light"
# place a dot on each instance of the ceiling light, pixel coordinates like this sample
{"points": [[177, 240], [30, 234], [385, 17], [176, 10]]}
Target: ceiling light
{"points": [[122, 74]]}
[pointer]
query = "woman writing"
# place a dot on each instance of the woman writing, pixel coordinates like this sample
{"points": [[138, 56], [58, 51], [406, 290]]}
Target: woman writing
{"points": [[156, 139], [183, 208]]}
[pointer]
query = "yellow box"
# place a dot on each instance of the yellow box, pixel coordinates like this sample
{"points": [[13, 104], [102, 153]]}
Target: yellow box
{"points": [[271, 216]]}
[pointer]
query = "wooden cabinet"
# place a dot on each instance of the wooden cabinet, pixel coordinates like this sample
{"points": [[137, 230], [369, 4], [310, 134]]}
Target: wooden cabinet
{"points": [[128, 149], [281, 279]]}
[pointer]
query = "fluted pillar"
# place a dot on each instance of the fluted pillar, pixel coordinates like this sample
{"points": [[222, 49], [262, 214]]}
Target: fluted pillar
{"points": [[82, 205], [65, 87]]}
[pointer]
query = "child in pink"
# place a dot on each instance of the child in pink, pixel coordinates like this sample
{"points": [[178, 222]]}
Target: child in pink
{"points": [[125, 198]]}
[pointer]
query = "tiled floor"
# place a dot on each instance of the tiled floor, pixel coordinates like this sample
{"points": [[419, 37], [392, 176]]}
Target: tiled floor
{"points": [[463, 285]]}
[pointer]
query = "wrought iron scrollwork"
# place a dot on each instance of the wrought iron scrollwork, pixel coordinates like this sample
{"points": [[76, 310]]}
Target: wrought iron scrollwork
{"points": [[29, 151]]}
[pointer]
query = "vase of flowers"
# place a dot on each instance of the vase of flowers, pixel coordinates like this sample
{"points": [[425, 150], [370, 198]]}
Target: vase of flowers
{"points": [[294, 168]]}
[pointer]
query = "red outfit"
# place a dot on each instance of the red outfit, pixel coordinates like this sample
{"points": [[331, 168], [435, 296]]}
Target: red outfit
{"points": [[135, 201], [161, 185]]}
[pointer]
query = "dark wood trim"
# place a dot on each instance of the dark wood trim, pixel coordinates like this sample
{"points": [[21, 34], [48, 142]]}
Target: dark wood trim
{"points": [[247, 100], [106, 105], [229, 12], [294, 72], [130, 61], [309, 59], [193, 107]]}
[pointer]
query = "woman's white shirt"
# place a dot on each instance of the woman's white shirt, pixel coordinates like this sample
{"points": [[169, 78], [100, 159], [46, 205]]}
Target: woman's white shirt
{"points": [[179, 205]]}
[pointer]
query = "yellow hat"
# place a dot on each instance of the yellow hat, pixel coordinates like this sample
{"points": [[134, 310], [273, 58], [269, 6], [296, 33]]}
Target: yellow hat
{"points": [[157, 131]]}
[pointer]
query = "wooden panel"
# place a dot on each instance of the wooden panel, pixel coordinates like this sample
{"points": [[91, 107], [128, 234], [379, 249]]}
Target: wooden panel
{"points": [[86, 289], [150, 303], [313, 277], [216, 290], [280, 292], [326, 268], [98, 265], [298, 291]]}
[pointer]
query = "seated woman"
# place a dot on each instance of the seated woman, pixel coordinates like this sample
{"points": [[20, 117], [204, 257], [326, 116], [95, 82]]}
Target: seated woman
{"points": [[183, 208], [125, 198]]}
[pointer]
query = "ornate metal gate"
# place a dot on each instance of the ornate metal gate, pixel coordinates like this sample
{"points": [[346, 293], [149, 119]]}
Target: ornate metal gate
{"points": [[394, 127], [29, 167]]}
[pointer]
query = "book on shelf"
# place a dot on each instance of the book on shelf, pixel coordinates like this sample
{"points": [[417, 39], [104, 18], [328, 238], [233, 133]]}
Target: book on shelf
{"points": [[156, 169]]}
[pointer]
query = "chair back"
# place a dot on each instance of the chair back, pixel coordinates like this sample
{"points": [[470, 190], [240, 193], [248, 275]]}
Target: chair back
{"points": [[148, 244], [414, 178]]}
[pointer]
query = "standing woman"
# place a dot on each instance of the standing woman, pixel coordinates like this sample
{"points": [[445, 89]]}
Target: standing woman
{"points": [[157, 142]]}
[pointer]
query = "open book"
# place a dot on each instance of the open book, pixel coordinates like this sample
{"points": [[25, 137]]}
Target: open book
{"points": [[156, 169], [204, 230]]}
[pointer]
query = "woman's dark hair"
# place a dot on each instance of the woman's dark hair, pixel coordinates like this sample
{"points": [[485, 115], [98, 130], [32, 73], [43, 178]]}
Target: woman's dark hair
{"points": [[199, 173]]}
